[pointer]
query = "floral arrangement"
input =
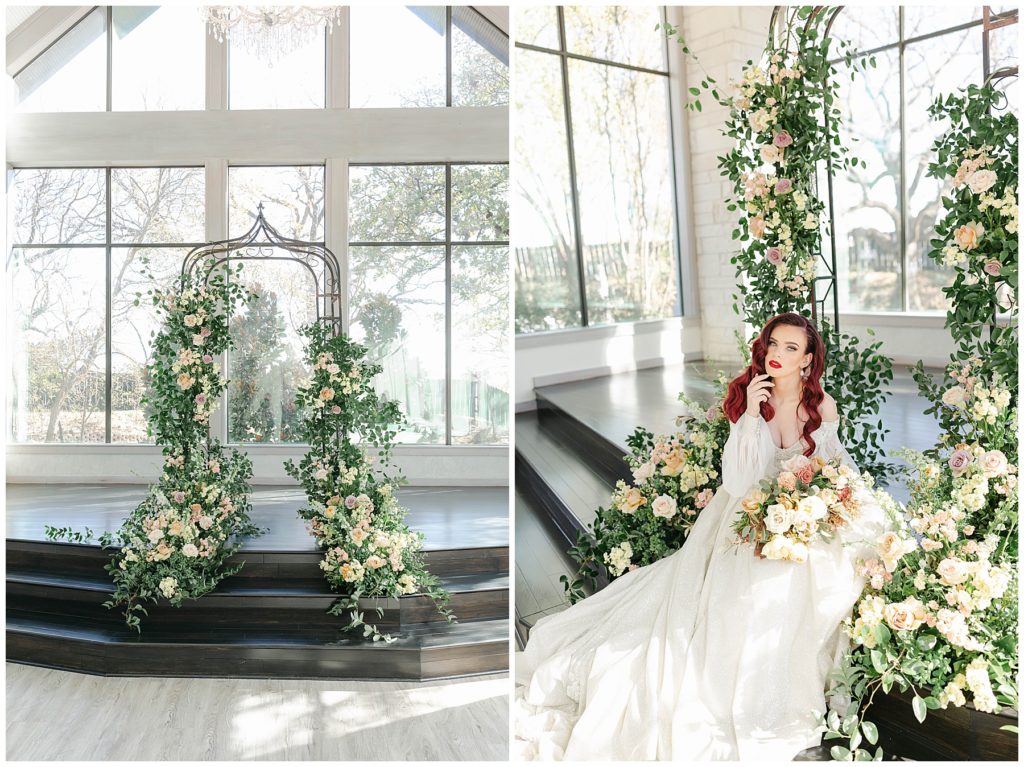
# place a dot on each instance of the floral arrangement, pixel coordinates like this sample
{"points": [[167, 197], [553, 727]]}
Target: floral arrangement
{"points": [[808, 500], [176, 543], [352, 512], [775, 118], [674, 477], [977, 235], [939, 614]]}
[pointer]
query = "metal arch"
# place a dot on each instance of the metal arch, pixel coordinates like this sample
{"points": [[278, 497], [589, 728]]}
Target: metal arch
{"points": [[258, 244], [824, 286]]}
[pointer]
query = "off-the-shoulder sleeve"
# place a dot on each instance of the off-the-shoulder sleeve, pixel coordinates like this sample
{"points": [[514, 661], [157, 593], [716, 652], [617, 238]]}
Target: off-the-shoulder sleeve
{"points": [[746, 455]]}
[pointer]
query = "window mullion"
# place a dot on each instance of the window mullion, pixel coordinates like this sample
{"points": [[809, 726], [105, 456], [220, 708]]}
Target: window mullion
{"points": [[573, 192], [448, 301], [108, 312], [904, 287], [110, 63]]}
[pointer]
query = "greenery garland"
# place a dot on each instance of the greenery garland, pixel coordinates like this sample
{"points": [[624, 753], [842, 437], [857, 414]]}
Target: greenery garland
{"points": [[175, 544], [674, 477], [939, 615], [369, 551], [777, 119]]}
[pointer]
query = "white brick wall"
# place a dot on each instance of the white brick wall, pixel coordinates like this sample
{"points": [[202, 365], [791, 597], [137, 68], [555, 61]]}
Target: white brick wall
{"points": [[723, 37]]}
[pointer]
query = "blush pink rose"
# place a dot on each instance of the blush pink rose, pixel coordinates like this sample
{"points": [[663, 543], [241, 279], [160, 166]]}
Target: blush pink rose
{"points": [[774, 256], [993, 267], [959, 461], [783, 186], [782, 139], [207, 358], [787, 481], [805, 474], [704, 498]]}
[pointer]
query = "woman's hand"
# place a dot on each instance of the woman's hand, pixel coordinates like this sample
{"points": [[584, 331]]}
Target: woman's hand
{"points": [[758, 390]]}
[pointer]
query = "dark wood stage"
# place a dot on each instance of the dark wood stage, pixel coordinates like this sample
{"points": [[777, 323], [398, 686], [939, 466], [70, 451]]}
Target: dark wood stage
{"points": [[269, 620]]}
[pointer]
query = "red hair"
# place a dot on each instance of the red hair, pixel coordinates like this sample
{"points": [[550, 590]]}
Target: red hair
{"points": [[811, 394]]}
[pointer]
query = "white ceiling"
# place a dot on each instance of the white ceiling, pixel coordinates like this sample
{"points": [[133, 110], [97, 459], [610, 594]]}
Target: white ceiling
{"points": [[18, 14]]}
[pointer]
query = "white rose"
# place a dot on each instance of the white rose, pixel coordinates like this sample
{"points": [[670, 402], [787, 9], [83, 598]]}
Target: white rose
{"points": [[952, 572], [955, 396], [664, 506], [798, 552], [813, 506], [155, 535], [190, 550], [643, 472], [981, 181], [778, 519], [776, 548]]}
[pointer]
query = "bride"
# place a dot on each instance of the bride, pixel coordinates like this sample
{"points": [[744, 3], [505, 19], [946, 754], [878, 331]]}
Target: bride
{"points": [[714, 652]]}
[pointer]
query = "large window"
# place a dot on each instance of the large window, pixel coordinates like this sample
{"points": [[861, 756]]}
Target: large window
{"points": [[265, 368], [154, 58], [428, 294], [86, 242], [886, 206], [594, 197]]}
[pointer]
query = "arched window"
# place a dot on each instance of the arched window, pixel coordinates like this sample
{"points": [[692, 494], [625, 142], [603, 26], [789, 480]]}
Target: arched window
{"points": [[82, 218], [886, 206]]}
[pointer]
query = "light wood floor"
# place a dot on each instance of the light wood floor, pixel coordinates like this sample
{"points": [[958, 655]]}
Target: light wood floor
{"points": [[58, 715]]}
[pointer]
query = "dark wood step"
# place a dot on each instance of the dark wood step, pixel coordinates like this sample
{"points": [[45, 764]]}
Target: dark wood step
{"points": [[428, 651], [567, 488], [302, 565], [252, 602], [604, 455]]}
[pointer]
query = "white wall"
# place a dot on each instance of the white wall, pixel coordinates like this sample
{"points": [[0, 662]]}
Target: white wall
{"points": [[722, 37], [572, 355]]}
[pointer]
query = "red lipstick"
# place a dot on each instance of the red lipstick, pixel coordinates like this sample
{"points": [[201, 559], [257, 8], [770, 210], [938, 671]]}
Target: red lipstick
{"points": [[774, 364]]}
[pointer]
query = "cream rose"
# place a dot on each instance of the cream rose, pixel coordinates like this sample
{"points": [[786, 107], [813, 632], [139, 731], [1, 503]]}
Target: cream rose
{"points": [[994, 463], [185, 381], [981, 181], [968, 235], [953, 572], [643, 472], [954, 396], [813, 506], [778, 519], [906, 615], [632, 500], [798, 552], [664, 506], [776, 548], [190, 550]]}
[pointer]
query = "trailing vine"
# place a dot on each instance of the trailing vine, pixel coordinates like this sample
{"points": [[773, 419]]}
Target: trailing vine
{"points": [[175, 544], [369, 551]]}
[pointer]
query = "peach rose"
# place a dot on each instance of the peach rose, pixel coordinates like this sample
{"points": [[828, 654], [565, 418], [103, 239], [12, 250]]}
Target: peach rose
{"points": [[968, 235], [631, 501], [906, 615]]}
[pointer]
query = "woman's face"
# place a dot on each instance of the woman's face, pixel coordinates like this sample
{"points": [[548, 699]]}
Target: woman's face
{"points": [[785, 355]]}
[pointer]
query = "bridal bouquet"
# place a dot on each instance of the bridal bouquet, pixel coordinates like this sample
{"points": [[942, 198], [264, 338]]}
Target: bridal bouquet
{"points": [[674, 478], [810, 498]]}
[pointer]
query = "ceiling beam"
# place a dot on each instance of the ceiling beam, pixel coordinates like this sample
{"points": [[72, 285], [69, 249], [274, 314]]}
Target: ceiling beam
{"points": [[39, 31]]}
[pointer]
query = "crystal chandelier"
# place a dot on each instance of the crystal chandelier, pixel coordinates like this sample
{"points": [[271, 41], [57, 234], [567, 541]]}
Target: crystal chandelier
{"points": [[270, 32]]}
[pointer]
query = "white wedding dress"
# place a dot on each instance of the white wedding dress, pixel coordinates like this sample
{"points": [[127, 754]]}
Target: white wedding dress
{"points": [[708, 654]]}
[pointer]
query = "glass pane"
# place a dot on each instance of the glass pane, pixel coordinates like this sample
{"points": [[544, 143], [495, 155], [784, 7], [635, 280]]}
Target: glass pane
{"points": [[132, 330], [398, 56], [265, 368], [867, 197], [536, 25], [625, 34], [396, 203], [70, 75], [479, 202], [292, 197], [1003, 50], [479, 60], [56, 205], [922, 19], [158, 205], [480, 345], [867, 28], [158, 58], [934, 67], [289, 76], [547, 284], [56, 308], [621, 137], [396, 308]]}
